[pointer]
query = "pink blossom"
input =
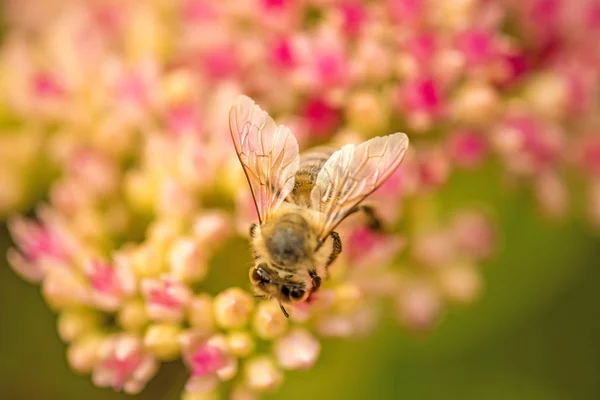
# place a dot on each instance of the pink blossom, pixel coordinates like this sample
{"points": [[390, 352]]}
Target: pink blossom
{"points": [[331, 68], [94, 170], [283, 55], [432, 168], [406, 12], [124, 364], [589, 155], [529, 146], [422, 47], [473, 234], [477, 46], [110, 283], [468, 148], [515, 64], [166, 299], [182, 119], [220, 62], [421, 97], [370, 249], [38, 243], [354, 15], [322, 118], [207, 359], [199, 11], [46, 86], [109, 18]]}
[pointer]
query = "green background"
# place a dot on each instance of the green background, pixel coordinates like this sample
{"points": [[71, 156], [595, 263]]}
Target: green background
{"points": [[534, 333]]}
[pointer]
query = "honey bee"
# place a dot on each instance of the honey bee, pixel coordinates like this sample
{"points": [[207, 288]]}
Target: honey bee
{"points": [[301, 199]]}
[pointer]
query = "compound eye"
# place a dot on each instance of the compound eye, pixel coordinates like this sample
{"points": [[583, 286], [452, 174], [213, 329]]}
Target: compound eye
{"points": [[297, 294]]}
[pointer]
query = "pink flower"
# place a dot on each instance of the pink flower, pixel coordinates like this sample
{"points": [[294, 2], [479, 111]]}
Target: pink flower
{"points": [[477, 46], [220, 62], [421, 94], [406, 12], [124, 364], [330, 67], [321, 117], [354, 15], [422, 47], [515, 65], [198, 11], [94, 170], [589, 155], [111, 284], [166, 299], [46, 86], [468, 148], [39, 244], [432, 168], [418, 305], [370, 249], [209, 360], [283, 55], [182, 119], [473, 234], [528, 145]]}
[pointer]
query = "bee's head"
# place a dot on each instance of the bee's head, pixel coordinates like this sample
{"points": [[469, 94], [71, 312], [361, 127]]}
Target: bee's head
{"points": [[267, 283]]}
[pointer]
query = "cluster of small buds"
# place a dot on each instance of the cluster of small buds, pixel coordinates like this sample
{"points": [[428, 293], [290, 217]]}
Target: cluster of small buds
{"points": [[120, 113]]}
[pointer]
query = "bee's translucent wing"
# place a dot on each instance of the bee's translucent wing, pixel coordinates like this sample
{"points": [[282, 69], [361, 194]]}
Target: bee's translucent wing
{"points": [[268, 153], [351, 174]]}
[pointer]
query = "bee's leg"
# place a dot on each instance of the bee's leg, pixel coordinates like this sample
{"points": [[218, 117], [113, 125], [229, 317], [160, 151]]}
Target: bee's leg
{"points": [[337, 248], [316, 279], [253, 228], [373, 221]]}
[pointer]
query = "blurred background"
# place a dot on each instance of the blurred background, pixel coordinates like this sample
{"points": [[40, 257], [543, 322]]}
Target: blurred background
{"points": [[114, 145]]}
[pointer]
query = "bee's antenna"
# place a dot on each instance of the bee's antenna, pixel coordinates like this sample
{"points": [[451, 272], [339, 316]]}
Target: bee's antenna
{"points": [[283, 310], [259, 296]]}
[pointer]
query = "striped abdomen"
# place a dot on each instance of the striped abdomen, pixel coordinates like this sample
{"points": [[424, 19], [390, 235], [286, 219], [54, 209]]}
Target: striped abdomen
{"points": [[311, 163]]}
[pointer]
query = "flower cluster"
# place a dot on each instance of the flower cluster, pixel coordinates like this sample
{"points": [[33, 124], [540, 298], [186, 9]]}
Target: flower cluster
{"points": [[119, 112]]}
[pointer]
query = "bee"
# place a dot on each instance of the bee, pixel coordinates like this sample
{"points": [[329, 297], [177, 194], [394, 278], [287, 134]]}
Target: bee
{"points": [[301, 199]]}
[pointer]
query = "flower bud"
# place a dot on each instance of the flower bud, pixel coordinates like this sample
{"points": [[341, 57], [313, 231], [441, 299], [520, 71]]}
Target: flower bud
{"points": [[200, 395], [298, 349], [162, 339], [212, 227], [347, 297], [475, 103], [269, 321], [241, 344], [63, 289], [366, 112], [82, 354], [187, 260], [418, 306], [147, 261], [460, 283], [232, 308], [75, 323], [241, 392], [547, 94], [200, 314], [262, 374], [141, 190], [132, 316]]}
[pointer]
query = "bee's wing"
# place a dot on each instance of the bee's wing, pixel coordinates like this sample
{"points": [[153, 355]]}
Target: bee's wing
{"points": [[351, 174], [268, 154]]}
